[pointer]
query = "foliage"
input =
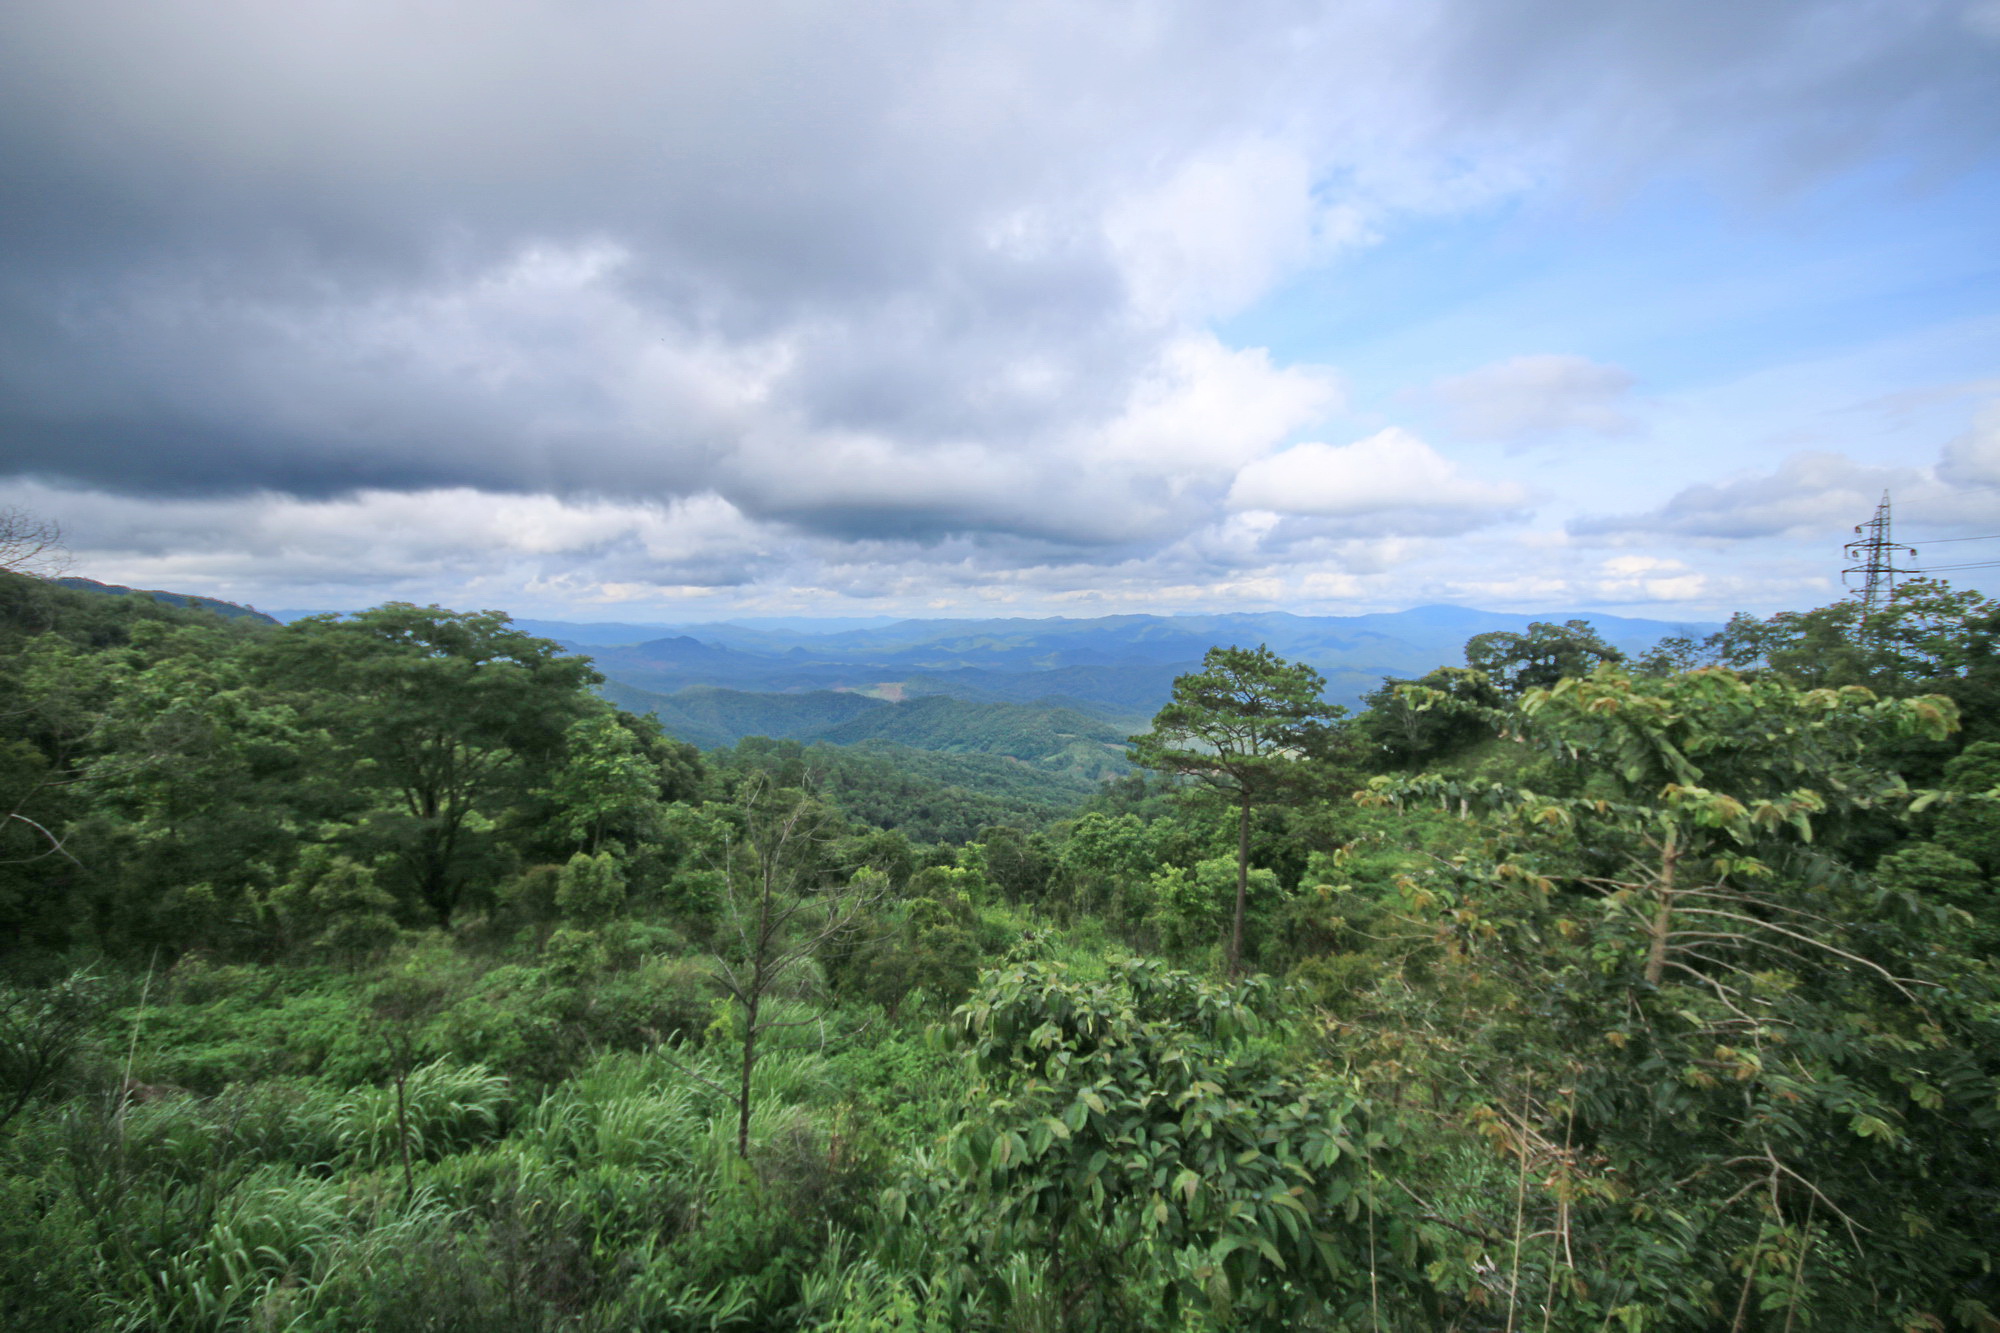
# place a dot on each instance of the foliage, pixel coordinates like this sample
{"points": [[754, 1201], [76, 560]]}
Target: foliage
{"points": [[443, 714], [1730, 1020], [784, 910], [41, 1031], [1660, 999], [926, 795], [1144, 1134], [1928, 638], [590, 889], [1248, 726], [1539, 657], [334, 904], [1448, 711]]}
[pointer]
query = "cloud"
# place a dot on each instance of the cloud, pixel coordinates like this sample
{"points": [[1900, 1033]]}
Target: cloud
{"points": [[1806, 494], [1390, 473], [1527, 396], [911, 296], [1823, 495], [525, 246], [1973, 459], [1147, 468]]}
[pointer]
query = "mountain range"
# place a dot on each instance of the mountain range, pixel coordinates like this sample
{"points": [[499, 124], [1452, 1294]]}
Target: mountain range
{"points": [[1058, 693]]}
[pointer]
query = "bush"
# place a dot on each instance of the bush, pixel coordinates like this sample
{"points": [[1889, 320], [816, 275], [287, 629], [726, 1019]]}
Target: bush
{"points": [[661, 1000], [514, 1020], [46, 1277]]}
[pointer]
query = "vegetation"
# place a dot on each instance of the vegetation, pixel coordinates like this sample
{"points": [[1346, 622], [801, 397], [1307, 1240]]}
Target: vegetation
{"points": [[376, 972], [1249, 726], [1064, 745]]}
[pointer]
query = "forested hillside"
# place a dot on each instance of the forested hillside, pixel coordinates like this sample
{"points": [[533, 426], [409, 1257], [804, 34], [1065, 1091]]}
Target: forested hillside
{"points": [[1046, 736], [228, 610], [379, 972]]}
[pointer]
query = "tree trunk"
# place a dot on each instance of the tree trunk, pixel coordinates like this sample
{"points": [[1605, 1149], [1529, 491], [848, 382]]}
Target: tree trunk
{"points": [[403, 1131], [743, 1087], [1242, 888], [1663, 914]]}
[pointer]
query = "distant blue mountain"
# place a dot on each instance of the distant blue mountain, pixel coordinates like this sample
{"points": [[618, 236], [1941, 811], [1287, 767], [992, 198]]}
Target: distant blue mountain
{"points": [[1111, 667]]}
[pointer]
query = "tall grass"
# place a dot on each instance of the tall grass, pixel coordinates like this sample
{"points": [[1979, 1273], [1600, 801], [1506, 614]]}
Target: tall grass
{"points": [[614, 1200], [447, 1108]]}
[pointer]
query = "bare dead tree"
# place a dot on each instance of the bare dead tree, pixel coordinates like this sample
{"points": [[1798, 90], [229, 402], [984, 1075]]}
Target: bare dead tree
{"points": [[30, 544]]}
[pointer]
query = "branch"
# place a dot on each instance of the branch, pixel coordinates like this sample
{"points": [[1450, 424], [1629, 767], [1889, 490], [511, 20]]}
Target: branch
{"points": [[1430, 1215], [662, 1051], [55, 845], [1898, 982]]}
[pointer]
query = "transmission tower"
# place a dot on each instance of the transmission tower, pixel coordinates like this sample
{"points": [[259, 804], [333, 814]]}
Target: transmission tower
{"points": [[1874, 555]]}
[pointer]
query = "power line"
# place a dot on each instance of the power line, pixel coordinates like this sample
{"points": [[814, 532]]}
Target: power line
{"points": [[1937, 541], [1939, 569]]}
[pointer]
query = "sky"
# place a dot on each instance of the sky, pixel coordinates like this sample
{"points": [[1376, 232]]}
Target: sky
{"points": [[609, 310]]}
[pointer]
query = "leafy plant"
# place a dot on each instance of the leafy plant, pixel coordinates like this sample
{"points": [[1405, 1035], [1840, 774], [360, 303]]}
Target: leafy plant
{"points": [[1143, 1135]]}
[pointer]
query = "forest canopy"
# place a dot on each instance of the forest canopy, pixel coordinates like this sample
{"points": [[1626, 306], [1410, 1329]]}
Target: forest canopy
{"points": [[375, 972]]}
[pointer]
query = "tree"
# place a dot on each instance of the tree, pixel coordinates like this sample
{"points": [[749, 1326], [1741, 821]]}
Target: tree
{"points": [[1666, 985], [199, 787], [448, 713], [1103, 859], [786, 902], [1017, 863], [29, 544], [1247, 726], [1929, 636], [1450, 710], [590, 889], [1539, 658], [606, 784], [331, 903]]}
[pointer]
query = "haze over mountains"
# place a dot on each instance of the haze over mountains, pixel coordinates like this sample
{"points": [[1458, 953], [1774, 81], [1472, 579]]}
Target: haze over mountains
{"points": [[1057, 692]]}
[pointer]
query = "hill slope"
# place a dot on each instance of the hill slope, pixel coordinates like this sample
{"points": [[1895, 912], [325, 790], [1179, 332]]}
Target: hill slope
{"points": [[1047, 738], [183, 599]]}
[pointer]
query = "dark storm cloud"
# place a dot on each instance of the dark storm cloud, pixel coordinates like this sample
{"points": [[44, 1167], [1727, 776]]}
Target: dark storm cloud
{"points": [[657, 250]]}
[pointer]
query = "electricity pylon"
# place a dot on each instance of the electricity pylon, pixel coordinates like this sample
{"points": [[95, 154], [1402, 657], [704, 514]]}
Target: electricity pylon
{"points": [[1874, 555]]}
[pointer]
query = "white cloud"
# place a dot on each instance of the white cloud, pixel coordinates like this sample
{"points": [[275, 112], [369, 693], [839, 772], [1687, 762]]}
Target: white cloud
{"points": [[1391, 470], [1213, 236], [1973, 459], [1204, 410], [1149, 468], [1823, 495], [1526, 396]]}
